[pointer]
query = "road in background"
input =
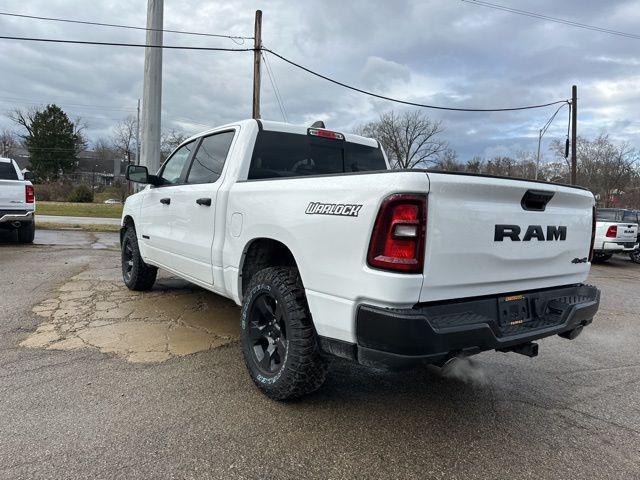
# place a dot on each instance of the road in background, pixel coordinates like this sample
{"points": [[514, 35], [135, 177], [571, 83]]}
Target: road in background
{"points": [[76, 220], [573, 412]]}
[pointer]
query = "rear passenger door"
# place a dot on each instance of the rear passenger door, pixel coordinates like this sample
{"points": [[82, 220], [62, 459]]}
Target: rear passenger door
{"points": [[193, 227]]}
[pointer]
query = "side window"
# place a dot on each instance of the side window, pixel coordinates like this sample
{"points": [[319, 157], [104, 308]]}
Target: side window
{"points": [[172, 169], [209, 159]]}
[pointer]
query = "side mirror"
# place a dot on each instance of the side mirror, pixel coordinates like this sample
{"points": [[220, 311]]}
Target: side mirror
{"points": [[137, 173], [28, 175]]}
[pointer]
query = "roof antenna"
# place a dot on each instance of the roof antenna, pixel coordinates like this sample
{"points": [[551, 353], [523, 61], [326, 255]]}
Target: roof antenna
{"points": [[318, 124]]}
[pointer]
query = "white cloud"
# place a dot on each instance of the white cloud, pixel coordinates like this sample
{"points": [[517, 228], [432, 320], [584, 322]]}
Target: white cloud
{"points": [[429, 51]]}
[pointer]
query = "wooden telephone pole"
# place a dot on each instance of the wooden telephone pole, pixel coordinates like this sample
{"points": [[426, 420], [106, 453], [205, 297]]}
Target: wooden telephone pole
{"points": [[257, 54], [574, 133]]}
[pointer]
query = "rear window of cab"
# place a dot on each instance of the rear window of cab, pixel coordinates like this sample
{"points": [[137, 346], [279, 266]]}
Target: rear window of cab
{"points": [[7, 171], [281, 154]]}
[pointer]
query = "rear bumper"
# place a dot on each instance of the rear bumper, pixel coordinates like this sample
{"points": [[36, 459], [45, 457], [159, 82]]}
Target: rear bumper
{"points": [[15, 219], [610, 247], [436, 332]]}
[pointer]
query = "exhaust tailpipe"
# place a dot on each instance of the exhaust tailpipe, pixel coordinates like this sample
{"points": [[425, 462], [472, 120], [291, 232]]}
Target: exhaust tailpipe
{"points": [[527, 349], [16, 224]]}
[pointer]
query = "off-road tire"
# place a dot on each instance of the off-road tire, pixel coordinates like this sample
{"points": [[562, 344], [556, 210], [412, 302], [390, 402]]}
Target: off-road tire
{"points": [[302, 369], [26, 233], [635, 256], [601, 257], [136, 274]]}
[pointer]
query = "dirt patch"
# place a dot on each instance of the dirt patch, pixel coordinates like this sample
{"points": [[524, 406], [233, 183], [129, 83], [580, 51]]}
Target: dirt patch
{"points": [[95, 310]]}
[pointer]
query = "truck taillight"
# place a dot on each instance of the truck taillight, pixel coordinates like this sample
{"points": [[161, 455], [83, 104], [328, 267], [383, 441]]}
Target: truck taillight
{"points": [[612, 231], [398, 238], [593, 233], [30, 195]]}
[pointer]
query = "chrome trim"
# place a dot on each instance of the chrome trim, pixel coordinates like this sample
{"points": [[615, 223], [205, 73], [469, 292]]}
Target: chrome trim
{"points": [[17, 217]]}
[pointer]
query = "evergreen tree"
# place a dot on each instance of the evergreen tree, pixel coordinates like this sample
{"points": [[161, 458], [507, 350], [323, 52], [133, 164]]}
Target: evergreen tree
{"points": [[52, 140]]}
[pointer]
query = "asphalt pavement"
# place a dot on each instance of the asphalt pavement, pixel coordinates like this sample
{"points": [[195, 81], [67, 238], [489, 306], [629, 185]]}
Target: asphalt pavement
{"points": [[573, 412]]}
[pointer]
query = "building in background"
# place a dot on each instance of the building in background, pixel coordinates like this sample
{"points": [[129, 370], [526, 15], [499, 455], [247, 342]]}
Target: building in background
{"points": [[92, 168]]}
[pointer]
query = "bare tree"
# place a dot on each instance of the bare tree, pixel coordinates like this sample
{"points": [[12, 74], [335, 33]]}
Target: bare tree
{"points": [[8, 143], [169, 140], [448, 162], [410, 139], [124, 137], [24, 118], [605, 168]]}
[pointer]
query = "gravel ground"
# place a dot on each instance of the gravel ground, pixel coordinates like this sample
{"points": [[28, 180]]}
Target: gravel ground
{"points": [[573, 412]]}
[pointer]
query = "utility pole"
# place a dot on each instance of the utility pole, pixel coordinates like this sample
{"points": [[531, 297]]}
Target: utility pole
{"points": [[257, 45], [152, 87], [538, 155], [574, 134], [138, 135]]}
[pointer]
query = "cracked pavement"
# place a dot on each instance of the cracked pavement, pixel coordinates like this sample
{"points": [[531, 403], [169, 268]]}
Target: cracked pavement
{"points": [[94, 384]]}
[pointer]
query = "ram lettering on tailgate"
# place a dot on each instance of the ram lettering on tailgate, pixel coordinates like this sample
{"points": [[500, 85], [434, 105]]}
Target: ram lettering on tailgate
{"points": [[533, 231]]}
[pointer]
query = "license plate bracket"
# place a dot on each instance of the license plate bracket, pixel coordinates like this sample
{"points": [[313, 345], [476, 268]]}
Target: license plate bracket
{"points": [[514, 310]]}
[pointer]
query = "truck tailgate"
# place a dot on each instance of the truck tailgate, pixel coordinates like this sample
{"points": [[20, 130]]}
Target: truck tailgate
{"points": [[12, 195], [488, 236]]}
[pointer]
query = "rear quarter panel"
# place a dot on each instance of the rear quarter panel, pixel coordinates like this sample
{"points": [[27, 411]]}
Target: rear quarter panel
{"points": [[330, 250]]}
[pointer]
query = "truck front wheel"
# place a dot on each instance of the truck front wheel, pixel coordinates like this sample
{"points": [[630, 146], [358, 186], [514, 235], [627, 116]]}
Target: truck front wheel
{"points": [[278, 339], [136, 274]]}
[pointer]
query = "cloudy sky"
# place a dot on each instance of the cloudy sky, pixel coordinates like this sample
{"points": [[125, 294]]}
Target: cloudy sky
{"points": [[444, 52]]}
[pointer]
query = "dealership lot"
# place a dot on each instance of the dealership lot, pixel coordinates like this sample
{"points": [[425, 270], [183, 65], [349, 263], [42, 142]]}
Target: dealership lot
{"points": [[99, 381]]}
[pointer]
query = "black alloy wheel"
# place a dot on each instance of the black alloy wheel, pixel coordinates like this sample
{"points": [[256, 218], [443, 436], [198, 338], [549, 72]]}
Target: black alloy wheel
{"points": [[267, 334], [127, 260]]}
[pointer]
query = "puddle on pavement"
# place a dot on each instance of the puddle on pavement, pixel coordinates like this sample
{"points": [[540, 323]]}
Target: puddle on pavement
{"points": [[95, 310]]}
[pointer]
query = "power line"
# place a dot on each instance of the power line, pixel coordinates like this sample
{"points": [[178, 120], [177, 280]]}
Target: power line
{"points": [[274, 86], [64, 104], [405, 102], [324, 77], [116, 44], [552, 118], [562, 21], [238, 38]]}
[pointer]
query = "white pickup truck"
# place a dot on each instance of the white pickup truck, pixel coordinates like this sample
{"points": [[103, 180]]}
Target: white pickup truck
{"points": [[17, 201], [616, 232], [330, 253]]}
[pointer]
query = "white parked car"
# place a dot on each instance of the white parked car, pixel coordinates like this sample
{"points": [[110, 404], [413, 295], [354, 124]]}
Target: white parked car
{"points": [[330, 253], [616, 232], [17, 201], [112, 201]]}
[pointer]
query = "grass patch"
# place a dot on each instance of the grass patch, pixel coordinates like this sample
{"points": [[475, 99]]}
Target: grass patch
{"points": [[89, 227], [70, 209]]}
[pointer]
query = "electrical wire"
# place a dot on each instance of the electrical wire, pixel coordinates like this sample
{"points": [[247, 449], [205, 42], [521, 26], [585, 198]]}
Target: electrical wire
{"points": [[405, 102], [276, 91], [65, 104], [297, 65], [236, 38], [546, 126], [562, 21], [274, 85], [116, 44]]}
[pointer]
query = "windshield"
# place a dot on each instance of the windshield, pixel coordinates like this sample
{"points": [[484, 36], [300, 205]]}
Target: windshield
{"points": [[279, 154], [7, 172]]}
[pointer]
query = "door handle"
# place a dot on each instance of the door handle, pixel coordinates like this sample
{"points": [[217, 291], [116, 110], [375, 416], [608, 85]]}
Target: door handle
{"points": [[204, 201], [165, 201]]}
